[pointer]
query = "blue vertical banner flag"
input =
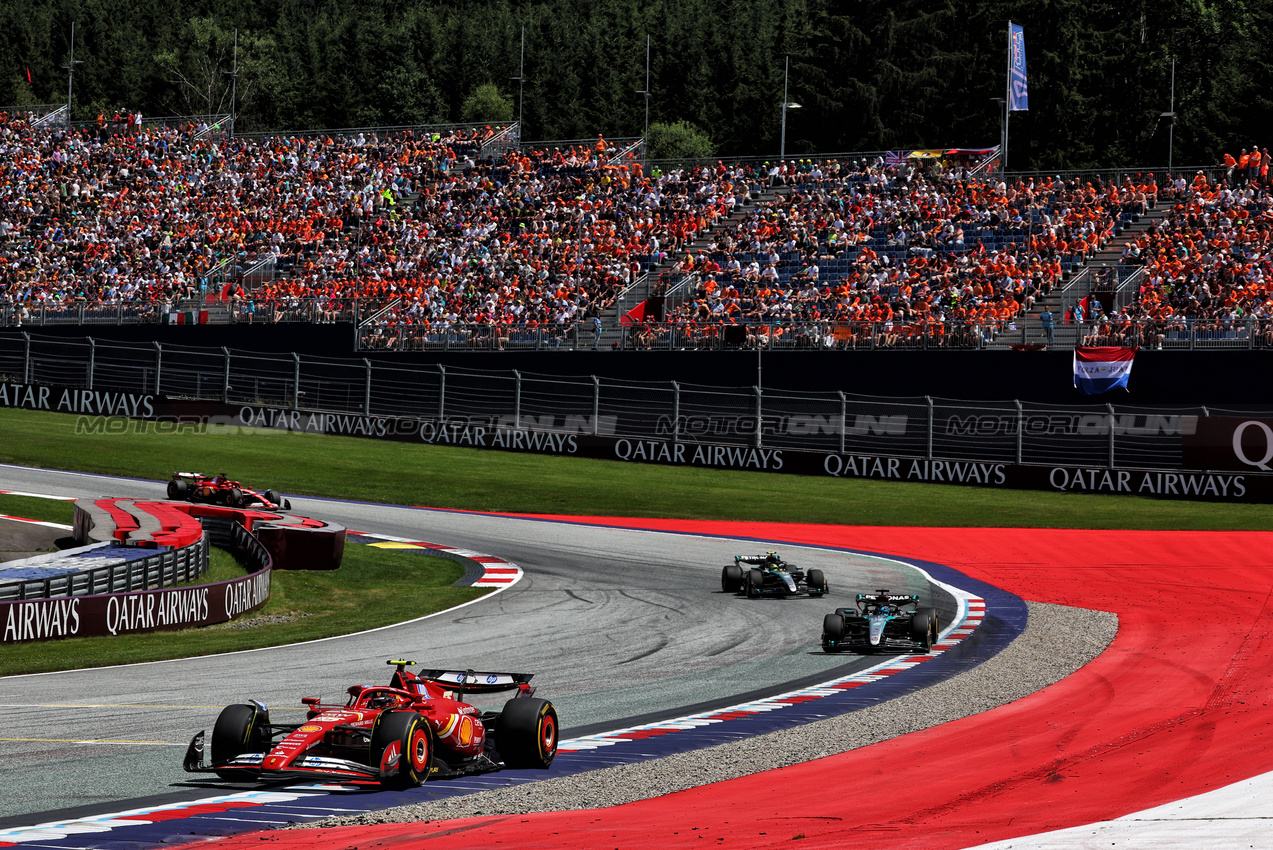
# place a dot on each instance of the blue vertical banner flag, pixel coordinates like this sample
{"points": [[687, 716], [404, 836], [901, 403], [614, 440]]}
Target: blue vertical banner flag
{"points": [[1018, 94]]}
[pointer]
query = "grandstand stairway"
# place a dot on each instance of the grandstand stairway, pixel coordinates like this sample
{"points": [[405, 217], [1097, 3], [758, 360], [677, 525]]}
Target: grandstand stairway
{"points": [[1108, 256], [613, 334]]}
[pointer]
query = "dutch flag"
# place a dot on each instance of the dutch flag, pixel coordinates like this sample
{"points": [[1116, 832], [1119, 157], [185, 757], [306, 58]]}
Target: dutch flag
{"points": [[1099, 370]]}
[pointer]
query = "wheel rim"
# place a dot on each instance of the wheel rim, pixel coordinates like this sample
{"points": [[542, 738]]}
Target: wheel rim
{"points": [[548, 736], [419, 755]]}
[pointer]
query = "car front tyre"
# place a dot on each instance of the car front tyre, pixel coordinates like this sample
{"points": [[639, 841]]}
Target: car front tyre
{"points": [[239, 729], [817, 583], [402, 748]]}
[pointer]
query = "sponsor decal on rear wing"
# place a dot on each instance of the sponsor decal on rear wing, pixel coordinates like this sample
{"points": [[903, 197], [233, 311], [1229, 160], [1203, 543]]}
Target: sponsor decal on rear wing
{"points": [[889, 597], [767, 558]]}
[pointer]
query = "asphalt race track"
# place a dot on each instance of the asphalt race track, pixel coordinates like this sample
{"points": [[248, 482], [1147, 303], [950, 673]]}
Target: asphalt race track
{"points": [[616, 625], [1162, 741]]}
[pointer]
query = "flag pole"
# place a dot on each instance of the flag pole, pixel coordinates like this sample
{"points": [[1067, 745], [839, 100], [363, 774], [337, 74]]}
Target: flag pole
{"points": [[1007, 105]]}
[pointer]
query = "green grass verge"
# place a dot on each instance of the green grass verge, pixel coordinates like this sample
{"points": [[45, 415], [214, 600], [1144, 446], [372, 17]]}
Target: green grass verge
{"points": [[437, 476], [30, 507], [373, 587]]}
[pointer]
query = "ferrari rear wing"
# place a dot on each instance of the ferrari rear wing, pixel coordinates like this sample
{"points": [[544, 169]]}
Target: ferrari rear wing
{"points": [[463, 681], [477, 682]]}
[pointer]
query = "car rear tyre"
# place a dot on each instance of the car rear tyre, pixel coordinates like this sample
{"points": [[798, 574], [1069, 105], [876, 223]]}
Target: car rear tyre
{"points": [[239, 729], [402, 748], [816, 582], [178, 490], [526, 733], [731, 578], [755, 581]]}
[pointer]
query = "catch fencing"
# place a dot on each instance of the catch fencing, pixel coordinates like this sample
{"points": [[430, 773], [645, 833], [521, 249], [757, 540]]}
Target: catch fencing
{"points": [[1008, 431]]}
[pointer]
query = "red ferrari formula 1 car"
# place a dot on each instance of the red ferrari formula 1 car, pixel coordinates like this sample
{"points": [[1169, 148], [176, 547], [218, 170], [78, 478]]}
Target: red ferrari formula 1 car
{"points": [[219, 490], [418, 727]]}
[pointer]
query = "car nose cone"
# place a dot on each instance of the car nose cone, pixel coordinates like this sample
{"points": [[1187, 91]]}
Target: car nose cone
{"points": [[875, 626]]}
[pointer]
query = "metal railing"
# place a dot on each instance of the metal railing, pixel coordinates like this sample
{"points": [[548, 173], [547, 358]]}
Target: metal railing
{"points": [[1247, 333], [162, 569], [402, 396]]}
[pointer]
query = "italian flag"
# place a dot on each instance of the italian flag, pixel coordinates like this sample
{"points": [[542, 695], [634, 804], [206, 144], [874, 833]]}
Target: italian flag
{"points": [[189, 317]]}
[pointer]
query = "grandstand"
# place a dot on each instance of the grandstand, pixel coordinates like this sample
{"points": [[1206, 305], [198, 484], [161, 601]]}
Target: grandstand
{"points": [[464, 236]]}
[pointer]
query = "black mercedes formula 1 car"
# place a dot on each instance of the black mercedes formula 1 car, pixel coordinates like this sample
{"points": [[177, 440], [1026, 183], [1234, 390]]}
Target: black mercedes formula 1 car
{"points": [[769, 575], [881, 623]]}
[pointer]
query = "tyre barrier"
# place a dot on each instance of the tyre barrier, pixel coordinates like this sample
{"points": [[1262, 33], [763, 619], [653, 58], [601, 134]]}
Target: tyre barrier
{"points": [[294, 542]]}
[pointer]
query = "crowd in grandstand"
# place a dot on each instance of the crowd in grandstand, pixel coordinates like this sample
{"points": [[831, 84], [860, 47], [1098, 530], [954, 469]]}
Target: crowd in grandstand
{"points": [[422, 223], [430, 236]]}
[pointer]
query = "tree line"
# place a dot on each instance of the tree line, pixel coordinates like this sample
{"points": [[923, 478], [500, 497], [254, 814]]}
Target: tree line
{"points": [[868, 75]]}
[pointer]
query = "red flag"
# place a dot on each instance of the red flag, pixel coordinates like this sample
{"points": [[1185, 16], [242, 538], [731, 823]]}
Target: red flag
{"points": [[28, 73]]}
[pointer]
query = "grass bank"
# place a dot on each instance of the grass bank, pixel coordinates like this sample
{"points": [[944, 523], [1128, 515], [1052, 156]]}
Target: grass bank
{"points": [[438, 476]]}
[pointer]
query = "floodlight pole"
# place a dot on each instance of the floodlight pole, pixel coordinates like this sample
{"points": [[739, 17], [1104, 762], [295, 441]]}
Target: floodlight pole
{"points": [[234, 84], [70, 76], [645, 137], [1171, 128], [521, 87], [782, 144]]}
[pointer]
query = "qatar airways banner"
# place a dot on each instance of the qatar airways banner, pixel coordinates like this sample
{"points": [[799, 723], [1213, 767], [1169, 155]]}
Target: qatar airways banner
{"points": [[1229, 442], [132, 613], [885, 446]]}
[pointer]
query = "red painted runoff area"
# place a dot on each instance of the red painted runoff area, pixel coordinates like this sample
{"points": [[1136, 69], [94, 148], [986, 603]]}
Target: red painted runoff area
{"points": [[1177, 706]]}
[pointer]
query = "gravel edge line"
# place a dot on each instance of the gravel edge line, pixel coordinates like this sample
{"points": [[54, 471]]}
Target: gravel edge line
{"points": [[1057, 641]]}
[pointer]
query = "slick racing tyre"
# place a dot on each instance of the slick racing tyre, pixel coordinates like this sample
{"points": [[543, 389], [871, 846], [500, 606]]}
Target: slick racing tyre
{"points": [[933, 627], [526, 733], [402, 747], [234, 498], [755, 581], [923, 629], [240, 729], [832, 632], [178, 490], [273, 496], [731, 578], [817, 583]]}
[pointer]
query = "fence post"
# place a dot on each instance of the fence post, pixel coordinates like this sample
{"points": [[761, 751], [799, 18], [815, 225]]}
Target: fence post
{"points": [[596, 405], [225, 377], [676, 411], [366, 399], [441, 394], [844, 418], [1020, 428], [26, 357], [1110, 408], [92, 360], [928, 450], [517, 400], [296, 381], [759, 421], [159, 364]]}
